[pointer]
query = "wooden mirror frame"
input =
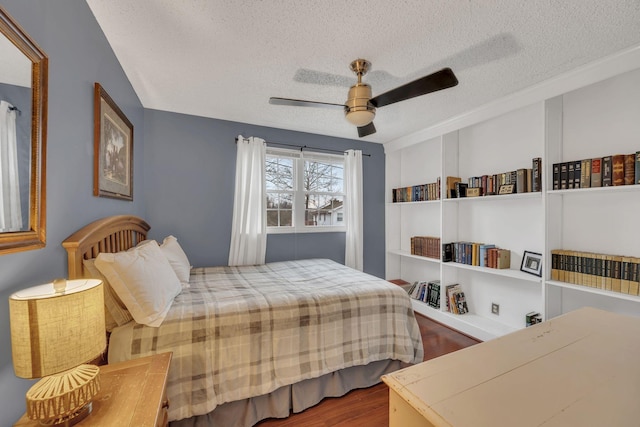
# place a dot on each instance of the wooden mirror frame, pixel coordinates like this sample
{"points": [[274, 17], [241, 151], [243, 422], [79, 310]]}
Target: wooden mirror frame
{"points": [[35, 236]]}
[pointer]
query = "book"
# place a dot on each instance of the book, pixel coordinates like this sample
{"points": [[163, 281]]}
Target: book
{"points": [[450, 290], [461, 189], [529, 180], [634, 276], [447, 252], [521, 180], [625, 276], [585, 177], [577, 173], [617, 176], [504, 258], [461, 302], [596, 172], [417, 291], [556, 176], [564, 172], [637, 174], [433, 299], [413, 289], [484, 255], [629, 169], [423, 291], [514, 180], [536, 174], [570, 174], [607, 171]]}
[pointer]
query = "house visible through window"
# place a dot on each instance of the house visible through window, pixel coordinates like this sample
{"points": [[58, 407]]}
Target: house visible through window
{"points": [[305, 191]]}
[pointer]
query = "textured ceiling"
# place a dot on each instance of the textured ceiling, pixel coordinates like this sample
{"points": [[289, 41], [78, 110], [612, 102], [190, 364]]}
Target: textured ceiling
{"points": [[225, 58]]}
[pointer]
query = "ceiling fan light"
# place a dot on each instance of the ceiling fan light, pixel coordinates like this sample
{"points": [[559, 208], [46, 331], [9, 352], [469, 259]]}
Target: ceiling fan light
{"points": [[360, 117]]}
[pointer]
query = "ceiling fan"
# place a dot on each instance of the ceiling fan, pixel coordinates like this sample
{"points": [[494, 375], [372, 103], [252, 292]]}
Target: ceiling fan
{"points": [[360, 107]]}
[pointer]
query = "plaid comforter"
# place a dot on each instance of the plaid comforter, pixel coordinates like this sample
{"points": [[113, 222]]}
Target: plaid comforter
{"points": [[240, 332]]}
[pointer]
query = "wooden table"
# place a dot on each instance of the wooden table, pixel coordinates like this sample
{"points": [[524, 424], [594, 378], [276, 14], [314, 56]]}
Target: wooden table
{"points": [[579, 369], [132, 393]]}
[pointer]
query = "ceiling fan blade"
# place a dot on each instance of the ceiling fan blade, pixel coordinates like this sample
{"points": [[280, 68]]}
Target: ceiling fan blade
{"points": [[439, 80], [366, 130], [303, 103]]}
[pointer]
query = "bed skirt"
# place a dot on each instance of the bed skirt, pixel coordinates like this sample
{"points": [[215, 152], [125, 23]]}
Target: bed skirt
{"points": [[294, 398]]}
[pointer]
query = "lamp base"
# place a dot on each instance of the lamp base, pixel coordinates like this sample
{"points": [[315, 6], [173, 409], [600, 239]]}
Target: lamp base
{"points": [[63, 399], [70, 420]]}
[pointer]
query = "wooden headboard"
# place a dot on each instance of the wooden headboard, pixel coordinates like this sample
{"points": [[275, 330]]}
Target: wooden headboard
{"points": [[111, 234]]}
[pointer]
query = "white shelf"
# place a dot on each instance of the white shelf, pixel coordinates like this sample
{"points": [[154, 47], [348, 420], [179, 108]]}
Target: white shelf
{"points": [[409, 255], [504, 272], [566, 125], [516, 196], [610, 189], [472, 324], [422, 202], [597, 291]]}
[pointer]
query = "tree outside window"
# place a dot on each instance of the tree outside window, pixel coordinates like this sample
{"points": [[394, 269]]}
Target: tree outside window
{"points": [[304, 191]]}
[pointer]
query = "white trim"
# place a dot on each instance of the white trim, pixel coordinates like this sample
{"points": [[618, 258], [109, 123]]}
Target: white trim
{"points": [[305, 229], [585, 75]]}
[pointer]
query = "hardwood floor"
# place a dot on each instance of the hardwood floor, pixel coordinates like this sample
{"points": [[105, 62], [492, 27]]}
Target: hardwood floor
{"points": [[369, 407]]}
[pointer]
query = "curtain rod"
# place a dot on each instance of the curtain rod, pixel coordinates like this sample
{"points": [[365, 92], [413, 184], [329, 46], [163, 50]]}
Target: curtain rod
{"points": [[16, 109], [302, 147]]}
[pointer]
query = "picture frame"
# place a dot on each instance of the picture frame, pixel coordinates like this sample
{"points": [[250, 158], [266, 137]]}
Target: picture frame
{"points": [[506, 189], [474, 192], [113, 149], [532, 263]]}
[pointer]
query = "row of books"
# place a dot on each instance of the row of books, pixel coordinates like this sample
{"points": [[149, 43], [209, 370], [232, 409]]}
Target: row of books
{"points": [[428, 292], [608, 272], [456, 300], [523, 180], [614, 170], [417, 193], [425, 246], [478, 254]]}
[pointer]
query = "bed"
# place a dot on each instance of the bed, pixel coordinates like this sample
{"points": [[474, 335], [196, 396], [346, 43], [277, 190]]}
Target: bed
{"points": [[256, 342]]}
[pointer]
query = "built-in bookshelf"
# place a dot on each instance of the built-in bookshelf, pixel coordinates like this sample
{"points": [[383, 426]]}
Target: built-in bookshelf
{"points": [[590, 113]]}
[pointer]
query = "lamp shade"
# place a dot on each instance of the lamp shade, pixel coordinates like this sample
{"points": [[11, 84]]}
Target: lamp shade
{"points": [[53, 332]]}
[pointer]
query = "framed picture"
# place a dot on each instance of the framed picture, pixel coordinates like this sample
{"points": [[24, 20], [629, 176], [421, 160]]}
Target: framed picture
{"points": [[532, 263], [474, 192], [113, 149], [506, 189]]}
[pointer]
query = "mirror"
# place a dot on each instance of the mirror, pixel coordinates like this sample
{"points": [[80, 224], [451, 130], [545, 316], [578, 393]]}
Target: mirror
{"points": [[23, 131]]}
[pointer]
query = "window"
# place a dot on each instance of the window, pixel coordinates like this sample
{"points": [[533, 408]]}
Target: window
{"points": [[305, 191]]}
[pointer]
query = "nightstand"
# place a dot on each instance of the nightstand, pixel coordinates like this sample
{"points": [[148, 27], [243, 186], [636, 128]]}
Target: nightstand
{"points": [[132, 393]]}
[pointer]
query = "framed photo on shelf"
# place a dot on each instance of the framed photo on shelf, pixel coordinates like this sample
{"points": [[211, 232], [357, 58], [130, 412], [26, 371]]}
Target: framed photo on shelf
{"points": [[532, 263], [506, 189], [113, 149]]}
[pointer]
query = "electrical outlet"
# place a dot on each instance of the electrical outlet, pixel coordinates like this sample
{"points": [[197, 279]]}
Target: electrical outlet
{"points": [[495, 308]]}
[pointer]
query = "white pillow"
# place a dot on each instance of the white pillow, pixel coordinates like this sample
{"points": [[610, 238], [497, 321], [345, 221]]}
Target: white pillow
{"points": [[143, 279], [177, 258], [116, 313]]}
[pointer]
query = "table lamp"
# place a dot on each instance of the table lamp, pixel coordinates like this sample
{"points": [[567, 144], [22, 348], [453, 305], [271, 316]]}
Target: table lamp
{"points": [[55, 329]]}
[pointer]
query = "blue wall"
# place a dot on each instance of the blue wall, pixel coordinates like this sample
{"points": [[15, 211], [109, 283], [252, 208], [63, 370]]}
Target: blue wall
{"points": [[189, 175], [79, 55], [183, 168]]}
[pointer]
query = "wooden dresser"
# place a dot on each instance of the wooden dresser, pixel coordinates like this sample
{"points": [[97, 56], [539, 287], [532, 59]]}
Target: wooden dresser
{"points": [[578, 369], [132, 394]]}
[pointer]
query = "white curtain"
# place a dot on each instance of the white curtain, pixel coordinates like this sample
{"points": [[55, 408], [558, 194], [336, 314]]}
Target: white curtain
{"points": [[10, 212], [353, 209], [249, 228]]}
